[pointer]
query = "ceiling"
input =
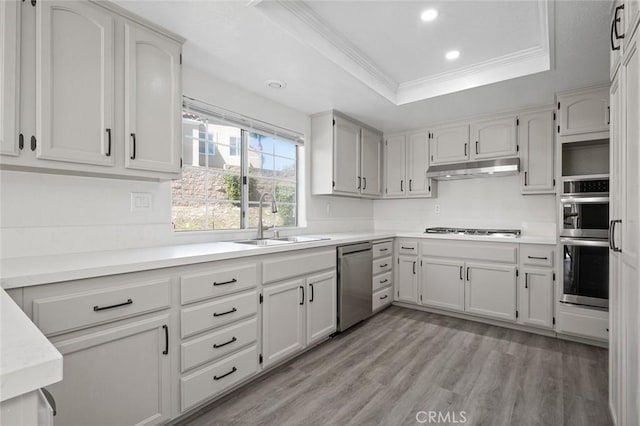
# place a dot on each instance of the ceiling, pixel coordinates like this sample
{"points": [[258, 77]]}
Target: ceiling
{"points": [[378, 62]]}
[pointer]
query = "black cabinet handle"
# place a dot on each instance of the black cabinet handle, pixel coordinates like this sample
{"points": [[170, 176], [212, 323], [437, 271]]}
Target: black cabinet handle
{"points": [[526, 280], [33, 143], [384, 281], [231, 281], [233, 370], [467, 273], [215, 314], [410, 185], [21, 141], [406, 248], [476, 147], [384, 249], [312, 293], [359, 182], [384, 297], [613, 26], [364, 180], [384, 265], [525, 178], [414, 268], [233, 339], [465, 149], [302, 300], [166, 340], [102, 308], [108, 154], [538, 257], [50, 400], [401, 185], [133, 139], [461, 277], [616, 20]]}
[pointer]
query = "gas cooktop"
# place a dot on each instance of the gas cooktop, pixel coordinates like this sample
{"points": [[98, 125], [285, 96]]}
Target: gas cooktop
{"points": [[472, 231]]}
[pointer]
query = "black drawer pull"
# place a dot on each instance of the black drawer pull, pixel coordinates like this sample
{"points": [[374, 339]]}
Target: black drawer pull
{"points": [[102, 308], [384, 249], [226, 282], [215, 314], [384, 265], [108, 153], [539, 258], [233, 339], [406, 248], [233, 370], [384, 297], [384, 281]]}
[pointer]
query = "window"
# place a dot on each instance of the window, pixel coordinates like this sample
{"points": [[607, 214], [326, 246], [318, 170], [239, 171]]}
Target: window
{"points": [[227, 165]]}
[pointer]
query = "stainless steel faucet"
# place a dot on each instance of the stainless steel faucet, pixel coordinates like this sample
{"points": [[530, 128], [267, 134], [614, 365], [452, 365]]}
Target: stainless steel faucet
{"points": [[274, 209]]}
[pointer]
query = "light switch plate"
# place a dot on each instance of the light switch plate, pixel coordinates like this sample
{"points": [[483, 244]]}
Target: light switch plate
{"points": [[141, 201]]}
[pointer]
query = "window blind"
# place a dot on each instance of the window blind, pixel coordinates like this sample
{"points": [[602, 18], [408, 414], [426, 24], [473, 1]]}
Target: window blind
{"points": [[239, 120]]}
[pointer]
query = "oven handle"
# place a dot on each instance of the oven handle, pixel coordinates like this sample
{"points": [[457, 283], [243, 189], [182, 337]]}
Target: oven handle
{"points": [[584, 200], [584, 242]]}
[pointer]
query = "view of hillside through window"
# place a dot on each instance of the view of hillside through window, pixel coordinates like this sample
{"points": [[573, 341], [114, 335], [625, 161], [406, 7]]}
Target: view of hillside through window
{"points": [[225, 170]]}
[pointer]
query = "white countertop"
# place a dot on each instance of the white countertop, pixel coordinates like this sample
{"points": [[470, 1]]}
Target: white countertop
{"points": [[29, 271], [28, 361]]}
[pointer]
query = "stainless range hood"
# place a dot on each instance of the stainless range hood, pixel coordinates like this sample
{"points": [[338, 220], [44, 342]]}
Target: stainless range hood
{"points": [[475, 169]]}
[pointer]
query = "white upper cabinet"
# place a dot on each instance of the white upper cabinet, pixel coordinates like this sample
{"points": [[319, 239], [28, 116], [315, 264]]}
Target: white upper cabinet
{"points": [[449, 144], [535, 134], [494, 138], [394, 163], [9, 72], [371, 163], [631, 18], [75, 82], [417, 164], [585, 111], [346, 154], [152, 92]]}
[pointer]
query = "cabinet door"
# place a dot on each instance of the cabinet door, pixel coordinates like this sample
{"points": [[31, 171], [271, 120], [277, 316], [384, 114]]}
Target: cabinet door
{"points": [[631, 19], [417, 164], [628, 237], [494, 138], [585, 112], [394, 164], [536, 140], [322, 306], [75, 82], [105, 371], [153, 99], [371, 162], [346, 156], [536, 297], [491, 290], [450, 144], [9, 76], [282, 320], [442, 283], [407, 282]]}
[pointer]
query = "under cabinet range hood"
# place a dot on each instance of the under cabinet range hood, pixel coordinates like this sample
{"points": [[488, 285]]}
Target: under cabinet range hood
{"points": [[475, 169]]}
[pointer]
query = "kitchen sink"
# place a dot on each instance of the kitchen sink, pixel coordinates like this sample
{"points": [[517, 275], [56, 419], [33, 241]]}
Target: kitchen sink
{"points": [[279, 241], [298, 239]]}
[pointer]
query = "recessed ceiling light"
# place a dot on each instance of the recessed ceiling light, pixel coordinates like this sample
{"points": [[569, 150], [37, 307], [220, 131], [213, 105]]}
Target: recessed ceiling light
{"points": [[452, 54], [429, 15], [276, 84]]}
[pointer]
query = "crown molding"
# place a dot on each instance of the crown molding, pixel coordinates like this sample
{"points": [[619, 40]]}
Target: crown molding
{"points": [[303, 23]]}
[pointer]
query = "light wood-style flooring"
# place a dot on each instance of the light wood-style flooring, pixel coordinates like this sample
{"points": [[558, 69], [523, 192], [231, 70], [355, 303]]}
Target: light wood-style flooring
{"points": [[403, 361]]}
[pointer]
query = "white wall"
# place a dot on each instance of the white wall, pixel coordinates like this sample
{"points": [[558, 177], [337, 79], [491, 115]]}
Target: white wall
{"points": [[480, 203], [46, 214]]}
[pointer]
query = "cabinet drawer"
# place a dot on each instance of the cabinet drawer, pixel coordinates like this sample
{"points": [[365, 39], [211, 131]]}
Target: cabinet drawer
{"points": [[382, 249], [407, 247], [218, 344], [212, 380], [536, 255], [384, 280], [382, 265], [289, 266], [214, 314], [382, 298], [218, 282], [62, 313]]}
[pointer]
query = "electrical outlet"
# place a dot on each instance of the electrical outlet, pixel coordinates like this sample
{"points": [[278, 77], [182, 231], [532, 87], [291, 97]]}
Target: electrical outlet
{"points": [[141, 201], [437, 209]]}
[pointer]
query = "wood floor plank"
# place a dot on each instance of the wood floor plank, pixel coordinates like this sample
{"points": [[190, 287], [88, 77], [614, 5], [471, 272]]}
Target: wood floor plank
{"points": [[404, 361]]}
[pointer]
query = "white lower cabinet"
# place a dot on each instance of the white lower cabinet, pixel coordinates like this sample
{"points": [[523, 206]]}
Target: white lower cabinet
{"points": [[407, 281], [536, 297], [297, 313], [442, 283], [491, 290], [107, 370]]}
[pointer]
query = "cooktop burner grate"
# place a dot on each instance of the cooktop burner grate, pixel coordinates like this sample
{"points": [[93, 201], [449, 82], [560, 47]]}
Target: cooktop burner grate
{"points": [[475, 231]]}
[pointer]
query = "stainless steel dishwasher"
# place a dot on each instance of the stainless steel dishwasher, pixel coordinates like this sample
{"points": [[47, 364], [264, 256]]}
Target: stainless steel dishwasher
{"points": [[354, 284]]}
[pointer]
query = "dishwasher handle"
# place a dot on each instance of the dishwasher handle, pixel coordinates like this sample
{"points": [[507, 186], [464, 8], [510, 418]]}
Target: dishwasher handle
{"points": [[354, 248]]}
